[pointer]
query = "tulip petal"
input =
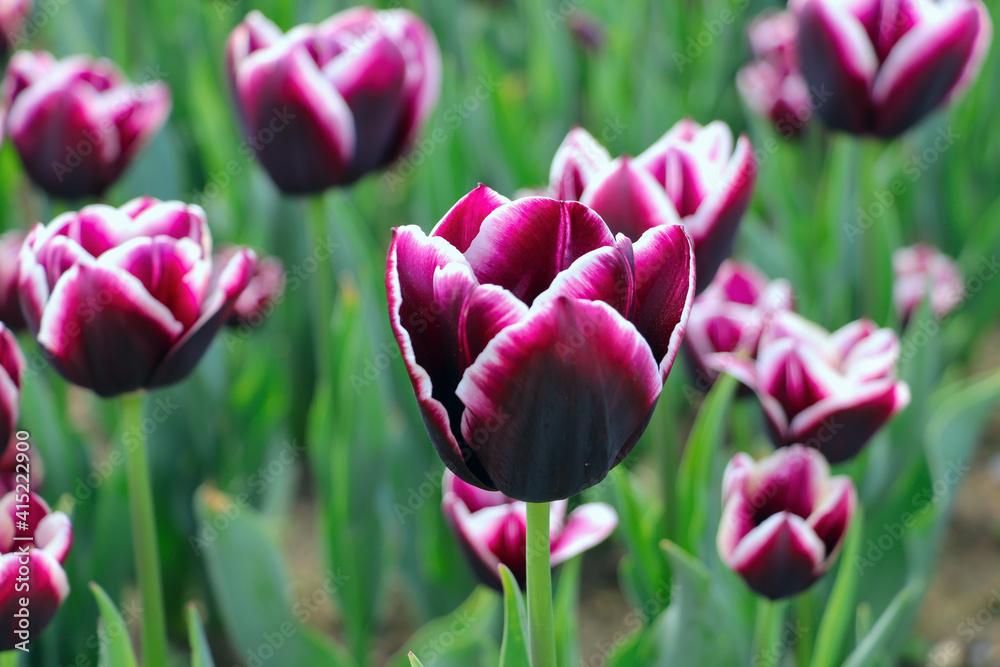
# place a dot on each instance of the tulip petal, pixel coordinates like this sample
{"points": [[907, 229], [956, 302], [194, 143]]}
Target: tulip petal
{"points": [[789, 480], [47, 585], [842, 424], [461, 224], [473, 497], [780, 557], [578, 159], [833, 515], [103, 330], [552, 400], [524, 245], [839, 63], [188, 350], [628, 199], [606, 274], [922, 68], [587, 526], [665, 283], [138, 113]]}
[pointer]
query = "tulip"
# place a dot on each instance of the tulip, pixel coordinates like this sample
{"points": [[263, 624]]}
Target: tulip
{"points": [[729, 316], [40, 544], [784, 519], [537, 342], [326, 104], [923, 270], [772, 85], [12, 460], [12, 366], [127, 298], [882, 65], [691, 176], [13, 15], [828, 391], [10, 302], [77, 123], [258, 299], [491, 529]]}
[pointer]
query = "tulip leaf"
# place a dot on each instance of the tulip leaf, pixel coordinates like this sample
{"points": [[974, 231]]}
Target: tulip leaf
{"points": [[115, 645], [840, 614], [644, 566], [567, 621], [201, 655], [694, 479], [414, 660], [884, 628], [459, 639], [249, 580], [514, 649]]}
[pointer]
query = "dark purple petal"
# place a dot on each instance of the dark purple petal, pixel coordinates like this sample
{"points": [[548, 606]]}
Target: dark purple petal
{"points": [[606, 274], [780, 557], [790, 480], [839, 63], [524, 245], [552, 400], [10, 299], [833, 513], [628, 199], [461, 224]]}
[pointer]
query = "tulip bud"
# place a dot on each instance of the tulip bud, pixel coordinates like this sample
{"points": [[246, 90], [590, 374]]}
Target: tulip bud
{"points": [[784, 519], [12, 366], [266, 286], [10, 301], [923, 270], [13, 15], [325, 104], [879, 67], [127, 298], [772, 85], [77, 123], [730, 315], [537, 342], [491, 529], [833, 391]]}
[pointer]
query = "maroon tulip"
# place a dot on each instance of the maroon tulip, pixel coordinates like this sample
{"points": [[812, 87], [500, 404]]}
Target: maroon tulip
{"points": [[691, 175], [730, 315], [772, 85], [258, 299], [885, 64], [12, 366], [784, 519], [77, 123], [326, 104], [537, 342], [12, 462], [923, 270], [123, 299], [492, 528], [828, 391], [13, 15], [32, 551], [10, 303]]}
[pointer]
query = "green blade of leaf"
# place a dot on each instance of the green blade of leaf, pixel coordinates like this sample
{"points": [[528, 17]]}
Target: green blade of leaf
{"points": [[840, 614], [115, 644], [883, 629], [201, 656], [514, 648]]}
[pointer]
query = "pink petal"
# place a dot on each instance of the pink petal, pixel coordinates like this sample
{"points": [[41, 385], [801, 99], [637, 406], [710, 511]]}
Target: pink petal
{"points": [[47, 587], [628, 199], [461, 224], [832, 516], [578, 159], [587, 526], [606, 274]]}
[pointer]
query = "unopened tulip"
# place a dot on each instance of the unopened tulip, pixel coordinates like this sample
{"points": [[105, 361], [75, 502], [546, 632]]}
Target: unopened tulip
{"points": [[325, 104], [772, 85], [12, 366], [882, 65], [258, 299], [127, 298], [10, 302], [784, 519], [692, 176], [537, 342], [34, 542], [13, 16], [77, 123], [828, 391], [921, 271], [492, 529], [730, 315]]}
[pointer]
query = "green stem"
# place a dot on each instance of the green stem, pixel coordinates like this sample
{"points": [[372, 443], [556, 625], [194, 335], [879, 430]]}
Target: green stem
{"points": [[767, 641], [322, 287], [541, 633], [144, 538]]}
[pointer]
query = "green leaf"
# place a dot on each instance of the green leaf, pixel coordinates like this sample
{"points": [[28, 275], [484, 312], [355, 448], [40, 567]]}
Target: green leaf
{"points": [[460, 639], [567, 604], [883, 629], [694, 480], [249, 580], [201, 655], [415, 661], [115, 644], [840, 614], [514, 649]]}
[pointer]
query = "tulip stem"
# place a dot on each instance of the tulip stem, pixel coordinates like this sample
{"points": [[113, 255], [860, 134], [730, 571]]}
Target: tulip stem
{"points": [[541, 627], [144, 538], [768, 644], [322, 291]]}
